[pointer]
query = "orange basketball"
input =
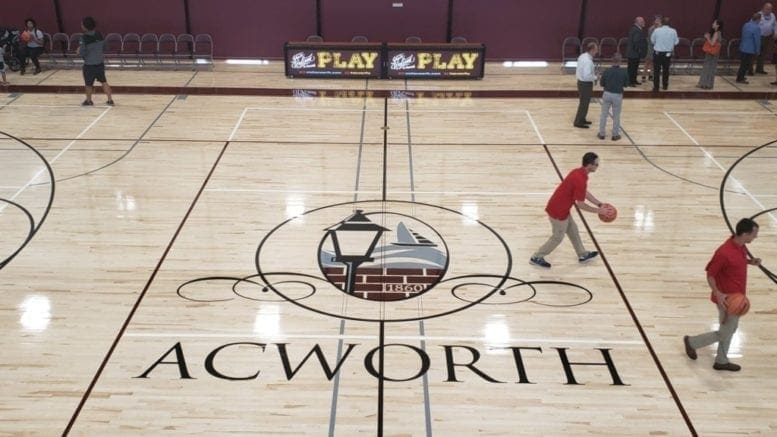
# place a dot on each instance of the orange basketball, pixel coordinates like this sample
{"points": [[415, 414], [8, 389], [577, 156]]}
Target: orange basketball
{"points": [[26, 36], [607, 213], [737, 304]]}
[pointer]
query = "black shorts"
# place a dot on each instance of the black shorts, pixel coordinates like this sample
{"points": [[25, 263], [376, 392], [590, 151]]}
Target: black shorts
{"points": [[92, 72]]}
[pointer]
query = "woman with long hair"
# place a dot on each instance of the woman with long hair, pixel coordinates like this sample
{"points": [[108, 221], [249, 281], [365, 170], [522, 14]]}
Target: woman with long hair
{"points": [[712, 41]]}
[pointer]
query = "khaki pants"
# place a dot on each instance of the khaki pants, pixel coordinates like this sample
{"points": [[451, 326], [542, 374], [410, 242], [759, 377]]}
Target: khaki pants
{"points": [[561, 227], [722, 336]]}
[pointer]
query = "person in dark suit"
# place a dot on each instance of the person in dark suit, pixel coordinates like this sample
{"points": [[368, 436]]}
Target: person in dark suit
{"points": [[636, 49]]}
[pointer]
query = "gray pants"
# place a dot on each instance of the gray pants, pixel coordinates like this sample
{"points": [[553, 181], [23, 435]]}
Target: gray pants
{"points": [[614, 101], [722, 336], [561, 227], [707, 77]]}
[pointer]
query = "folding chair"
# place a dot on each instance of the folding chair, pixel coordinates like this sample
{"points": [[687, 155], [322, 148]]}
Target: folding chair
{"points": [[112, 48], [148, 49], [458, 40], [185, 51], [130, 50], [314, 38], [203, 50], [413, 40], [570, 50], [168, 48]]}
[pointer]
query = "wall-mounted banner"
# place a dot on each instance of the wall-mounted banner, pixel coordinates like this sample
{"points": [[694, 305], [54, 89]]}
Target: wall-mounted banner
{"points": [[338, 60], [384, 60], [443, 61]]}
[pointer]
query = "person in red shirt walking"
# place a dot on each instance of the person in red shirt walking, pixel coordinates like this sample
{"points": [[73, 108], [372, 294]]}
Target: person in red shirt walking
{"points": [[726, 274], [573, 190]]}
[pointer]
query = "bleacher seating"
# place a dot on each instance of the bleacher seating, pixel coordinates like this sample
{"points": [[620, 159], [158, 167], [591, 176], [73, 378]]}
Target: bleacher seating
{"points": [[132, 50]]}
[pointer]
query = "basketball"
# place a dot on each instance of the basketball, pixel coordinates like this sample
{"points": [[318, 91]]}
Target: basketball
{"points": [[737, 304], [607, 213], [26, 36]]}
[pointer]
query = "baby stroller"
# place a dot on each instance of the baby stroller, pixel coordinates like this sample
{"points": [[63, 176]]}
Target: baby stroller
{"points": [[10, 47]]}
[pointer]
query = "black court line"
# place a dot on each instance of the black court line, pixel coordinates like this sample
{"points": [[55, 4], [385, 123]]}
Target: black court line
{"points": [[127, 152], [341, 341], [47, 77], [633, 315], [135, 307], [219, 140]]}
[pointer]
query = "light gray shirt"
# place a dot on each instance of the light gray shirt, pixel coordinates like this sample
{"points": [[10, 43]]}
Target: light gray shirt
{"points": [[767, 24], [585, 68], [664, 39]]}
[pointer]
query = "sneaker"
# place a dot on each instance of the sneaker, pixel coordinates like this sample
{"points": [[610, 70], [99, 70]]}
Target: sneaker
{"points": [[615, 137], [540, 262], [588, 257], [600, 136], [728, 366], [691, 352], [109, 103], [87, 103]]}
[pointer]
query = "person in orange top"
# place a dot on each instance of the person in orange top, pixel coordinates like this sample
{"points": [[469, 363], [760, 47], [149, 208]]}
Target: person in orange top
{"points": [[726, 274], [572, 191]]}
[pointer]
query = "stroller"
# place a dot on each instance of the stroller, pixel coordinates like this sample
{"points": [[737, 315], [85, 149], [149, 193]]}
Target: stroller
{"points": [[10, 47]]}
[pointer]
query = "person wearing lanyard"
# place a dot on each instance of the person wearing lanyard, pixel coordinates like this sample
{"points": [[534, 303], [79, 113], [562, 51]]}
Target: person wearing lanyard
{"points": [[586, 76], [664, 39]]}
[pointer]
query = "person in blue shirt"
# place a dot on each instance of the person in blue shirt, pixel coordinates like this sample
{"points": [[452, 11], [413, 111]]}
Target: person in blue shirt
{"points": [[749, 46]]}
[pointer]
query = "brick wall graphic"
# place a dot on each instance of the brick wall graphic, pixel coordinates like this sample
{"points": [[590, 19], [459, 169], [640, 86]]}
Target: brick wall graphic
{"points": [[409, 265]]}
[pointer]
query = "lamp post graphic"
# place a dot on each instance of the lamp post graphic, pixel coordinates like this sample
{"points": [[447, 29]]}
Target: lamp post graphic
{"points": [[354, 240]]}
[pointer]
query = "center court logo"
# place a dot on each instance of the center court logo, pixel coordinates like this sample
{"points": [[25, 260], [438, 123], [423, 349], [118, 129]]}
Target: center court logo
{"points": [[363, 259], [379, 262]]}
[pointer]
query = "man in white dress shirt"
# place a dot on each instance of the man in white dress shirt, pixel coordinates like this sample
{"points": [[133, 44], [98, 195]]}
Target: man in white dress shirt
{"points": [[586, 77], [664, 39]]}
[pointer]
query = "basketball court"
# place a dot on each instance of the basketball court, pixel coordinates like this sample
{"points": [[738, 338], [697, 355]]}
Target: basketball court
{"points": [[170, 264]]}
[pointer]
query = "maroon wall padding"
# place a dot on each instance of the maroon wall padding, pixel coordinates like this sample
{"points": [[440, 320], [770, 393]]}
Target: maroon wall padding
{"points": [[253, 28], [517, 29], [137, 16], [691, 18], [379, 21], [735, 13], [13, 14], [510, 29]]}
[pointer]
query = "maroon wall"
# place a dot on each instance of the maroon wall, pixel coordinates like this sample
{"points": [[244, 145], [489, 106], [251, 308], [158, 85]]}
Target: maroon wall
{"points": [[138, 16], [691, 18], [13, 14], [525, 29], [379, 21], [735, 13], [253, 28], [511, 29]]}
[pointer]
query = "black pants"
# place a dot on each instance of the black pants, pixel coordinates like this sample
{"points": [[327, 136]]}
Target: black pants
{"points": [[586, 90], [745, 64], [661, 68], [32, 53], [633, 70]]}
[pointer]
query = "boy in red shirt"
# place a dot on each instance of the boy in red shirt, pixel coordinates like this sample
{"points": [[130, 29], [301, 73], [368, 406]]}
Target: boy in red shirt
{"points": [[726, 274], [573, 190]]}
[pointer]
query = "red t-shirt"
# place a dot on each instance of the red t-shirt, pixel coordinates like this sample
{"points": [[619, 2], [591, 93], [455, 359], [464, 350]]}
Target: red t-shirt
{"points": [[571, 189], [729, 268]]}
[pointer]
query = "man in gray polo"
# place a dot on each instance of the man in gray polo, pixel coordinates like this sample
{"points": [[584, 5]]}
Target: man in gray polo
{"points": [[664, 40]]}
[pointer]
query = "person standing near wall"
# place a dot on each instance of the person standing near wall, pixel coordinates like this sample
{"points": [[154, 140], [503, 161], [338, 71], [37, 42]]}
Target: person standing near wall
{"points": [[664, 40], [586, 77], [768, 27], [91, 49], [711, 54], [749, 46], [636, 49], [649, 57]]}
